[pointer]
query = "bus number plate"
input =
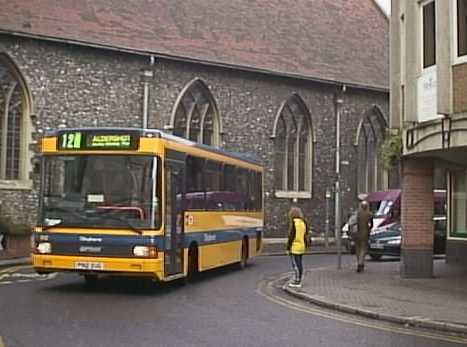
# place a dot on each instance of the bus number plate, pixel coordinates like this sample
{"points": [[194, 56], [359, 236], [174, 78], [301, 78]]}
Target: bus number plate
{"points": [[82, 265]]}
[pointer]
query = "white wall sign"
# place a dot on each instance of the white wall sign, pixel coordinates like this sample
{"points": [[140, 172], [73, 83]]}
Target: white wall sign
{"points": [[427, 104]]}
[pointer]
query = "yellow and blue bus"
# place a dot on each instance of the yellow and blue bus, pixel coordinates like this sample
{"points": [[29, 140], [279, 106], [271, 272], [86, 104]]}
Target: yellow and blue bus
{"points": [[142, 202]]}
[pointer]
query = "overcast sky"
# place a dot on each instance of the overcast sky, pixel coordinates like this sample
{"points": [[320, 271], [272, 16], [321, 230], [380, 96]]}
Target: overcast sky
{"points": [[385, 5]]}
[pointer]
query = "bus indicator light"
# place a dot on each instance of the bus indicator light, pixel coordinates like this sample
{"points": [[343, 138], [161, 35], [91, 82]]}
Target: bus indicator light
{"points": [[145, 251]]}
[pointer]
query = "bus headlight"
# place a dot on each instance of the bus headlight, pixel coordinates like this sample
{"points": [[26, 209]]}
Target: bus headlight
{"points": [[44, 247], [145, 251]]}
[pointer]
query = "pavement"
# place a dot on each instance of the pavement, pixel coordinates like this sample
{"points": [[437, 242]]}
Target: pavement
{"points": [[437, 303]]}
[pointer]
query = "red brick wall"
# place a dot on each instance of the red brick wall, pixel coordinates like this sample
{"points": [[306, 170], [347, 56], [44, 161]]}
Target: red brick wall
{"points": [[417, 203], [16, 247]]}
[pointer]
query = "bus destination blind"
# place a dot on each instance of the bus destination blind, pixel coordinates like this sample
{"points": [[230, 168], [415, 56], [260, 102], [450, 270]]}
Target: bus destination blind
{"points": [[79, 140]]}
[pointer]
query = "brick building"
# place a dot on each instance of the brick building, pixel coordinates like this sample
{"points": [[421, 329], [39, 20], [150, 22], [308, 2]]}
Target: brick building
{"points": [[428, 106], [266, 77]]}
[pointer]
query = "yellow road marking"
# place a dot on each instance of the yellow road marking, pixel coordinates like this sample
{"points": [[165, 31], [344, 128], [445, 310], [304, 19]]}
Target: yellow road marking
{"points": [[341, 318], [1, 342]]}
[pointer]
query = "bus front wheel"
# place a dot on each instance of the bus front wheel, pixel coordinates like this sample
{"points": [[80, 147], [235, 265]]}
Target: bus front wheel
{"points": [[90, 280]]}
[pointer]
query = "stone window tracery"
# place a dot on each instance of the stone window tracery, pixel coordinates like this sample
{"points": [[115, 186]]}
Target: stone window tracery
{"points": [[196, 116], [293, 149], [370, 136], [13, 122]]}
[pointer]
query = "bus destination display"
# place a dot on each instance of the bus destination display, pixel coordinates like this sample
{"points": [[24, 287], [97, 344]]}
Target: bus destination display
{"points": [[96, 141]]}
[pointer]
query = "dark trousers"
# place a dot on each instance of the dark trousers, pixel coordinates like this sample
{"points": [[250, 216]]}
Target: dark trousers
{"points": [[297, 265]]}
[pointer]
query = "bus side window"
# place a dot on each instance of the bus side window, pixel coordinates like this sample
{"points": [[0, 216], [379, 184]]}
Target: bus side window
{"points": [[228, 187], [254, 191], [242, 189], [259, 192], [195, 194], [213, 179]]}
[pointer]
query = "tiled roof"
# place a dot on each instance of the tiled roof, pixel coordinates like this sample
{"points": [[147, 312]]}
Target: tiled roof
{"points": [[336, 40]]}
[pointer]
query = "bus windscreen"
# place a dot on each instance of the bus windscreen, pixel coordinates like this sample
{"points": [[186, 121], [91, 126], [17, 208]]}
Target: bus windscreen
{"points": [[117, 191]]}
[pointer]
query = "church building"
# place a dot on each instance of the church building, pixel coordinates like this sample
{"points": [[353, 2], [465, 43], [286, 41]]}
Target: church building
{"points": [[278, 79]]}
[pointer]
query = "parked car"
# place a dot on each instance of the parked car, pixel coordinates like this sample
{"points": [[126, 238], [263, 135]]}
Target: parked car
{"points": [[386, 240], [385, 207]]}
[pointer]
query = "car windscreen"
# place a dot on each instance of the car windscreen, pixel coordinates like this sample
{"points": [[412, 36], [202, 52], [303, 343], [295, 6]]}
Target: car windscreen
{"points": [[384, 208]]}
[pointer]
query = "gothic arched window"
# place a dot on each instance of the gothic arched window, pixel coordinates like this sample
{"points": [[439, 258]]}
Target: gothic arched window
{"points": [[370, 136], [293, 149], [14, 122], [196, 116]]}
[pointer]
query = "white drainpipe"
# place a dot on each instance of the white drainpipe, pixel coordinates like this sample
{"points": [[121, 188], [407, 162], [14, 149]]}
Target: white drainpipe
{"points": [[147, 75]]}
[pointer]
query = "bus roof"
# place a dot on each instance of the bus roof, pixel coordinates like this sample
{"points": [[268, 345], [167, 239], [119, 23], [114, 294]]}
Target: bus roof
{"points": [[247, 157]]}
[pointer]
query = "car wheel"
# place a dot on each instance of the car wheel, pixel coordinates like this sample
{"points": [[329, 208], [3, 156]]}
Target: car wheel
{"points": [[375, 256]]}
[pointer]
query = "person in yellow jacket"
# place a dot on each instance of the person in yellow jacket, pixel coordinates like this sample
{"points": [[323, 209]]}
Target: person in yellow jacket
{"points": [[297, 243]]}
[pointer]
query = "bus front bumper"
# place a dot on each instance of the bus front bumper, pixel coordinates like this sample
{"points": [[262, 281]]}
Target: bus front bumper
{"points": [[44, 263]]}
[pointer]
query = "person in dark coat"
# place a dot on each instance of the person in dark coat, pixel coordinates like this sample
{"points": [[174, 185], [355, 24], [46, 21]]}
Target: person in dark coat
{"points": [[364, 226]]}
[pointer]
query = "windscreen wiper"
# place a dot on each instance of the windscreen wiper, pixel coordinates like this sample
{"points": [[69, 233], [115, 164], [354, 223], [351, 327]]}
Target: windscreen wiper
{"points": [[125, 221], [107, 214]]}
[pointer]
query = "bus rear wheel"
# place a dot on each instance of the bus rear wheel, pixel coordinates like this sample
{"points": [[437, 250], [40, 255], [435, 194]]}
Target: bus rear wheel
{"points": [[244, 255], [192, 272]]}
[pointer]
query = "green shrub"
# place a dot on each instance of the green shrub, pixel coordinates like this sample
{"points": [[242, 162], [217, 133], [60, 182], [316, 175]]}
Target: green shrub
{"points": [[391, 151], [8, 227]]}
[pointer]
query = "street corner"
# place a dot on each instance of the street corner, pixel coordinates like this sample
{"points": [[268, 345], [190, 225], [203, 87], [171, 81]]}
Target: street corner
{"points": [[21, 274], [322, 301], [338, 299]]}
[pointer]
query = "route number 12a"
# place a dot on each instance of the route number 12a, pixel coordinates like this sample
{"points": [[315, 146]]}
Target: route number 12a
{"points": [[71, 141]]}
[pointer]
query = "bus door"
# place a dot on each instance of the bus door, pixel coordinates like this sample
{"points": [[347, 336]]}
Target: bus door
{"points": [[174, 215]]}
